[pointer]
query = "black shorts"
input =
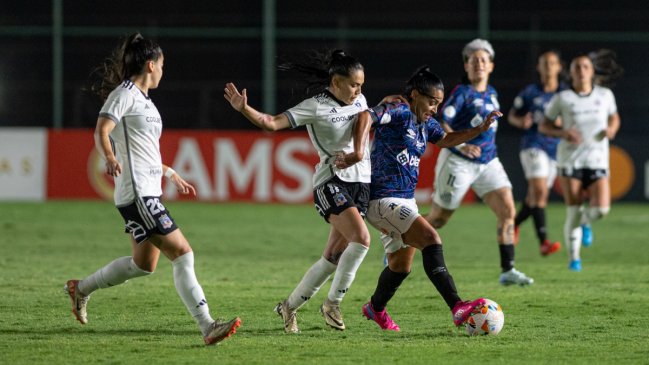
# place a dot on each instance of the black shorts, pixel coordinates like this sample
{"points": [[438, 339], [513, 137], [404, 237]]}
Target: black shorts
{"points": [[334, 196], [586, 176], [146, 216]]}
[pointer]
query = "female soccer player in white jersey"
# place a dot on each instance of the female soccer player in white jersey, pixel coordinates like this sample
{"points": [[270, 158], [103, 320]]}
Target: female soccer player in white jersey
{"points": [[127, 137], [589, 119], [401, 134], [476, 164], [341, 195], [538, 151]]}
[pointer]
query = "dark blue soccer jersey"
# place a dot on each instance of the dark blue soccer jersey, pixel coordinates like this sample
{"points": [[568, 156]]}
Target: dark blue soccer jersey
{"points": [[466, 108], [399, 142], [533, 100]]}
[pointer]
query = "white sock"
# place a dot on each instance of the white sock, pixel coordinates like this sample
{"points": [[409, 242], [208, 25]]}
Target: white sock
{"points": [[583, 209], [311, 282], [115, 273], [572, 230], [596, 213], [349, 262], [190, 291]]}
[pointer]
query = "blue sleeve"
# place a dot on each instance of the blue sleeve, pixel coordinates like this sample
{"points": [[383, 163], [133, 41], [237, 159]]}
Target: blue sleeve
{"points": [[522, 102], [435, 131], [452, 106], [386, 113]]}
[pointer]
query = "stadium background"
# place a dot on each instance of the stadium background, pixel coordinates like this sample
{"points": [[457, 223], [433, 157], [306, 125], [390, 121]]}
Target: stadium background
{"points": [[49, 49]]}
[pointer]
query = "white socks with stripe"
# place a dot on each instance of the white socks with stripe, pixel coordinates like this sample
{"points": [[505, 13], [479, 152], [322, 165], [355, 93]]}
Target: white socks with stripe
{"points": [[313, 279], [190, 291], [572, 230], [349, 262], [115, 273]]}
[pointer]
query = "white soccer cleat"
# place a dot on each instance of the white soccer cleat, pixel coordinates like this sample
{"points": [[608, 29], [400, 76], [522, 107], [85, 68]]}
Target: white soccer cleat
{"points": [[515, 277], [288, 315], [331, 313], [79, 302], [221, 330]]}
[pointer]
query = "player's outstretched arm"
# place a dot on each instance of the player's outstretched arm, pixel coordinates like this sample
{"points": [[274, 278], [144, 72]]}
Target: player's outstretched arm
{"points": [[452, 139], [239, 101]]}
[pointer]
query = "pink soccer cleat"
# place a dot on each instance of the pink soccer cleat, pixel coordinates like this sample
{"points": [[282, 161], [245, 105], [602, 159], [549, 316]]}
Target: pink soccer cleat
{"points": [[381, 318], [462, 310]]}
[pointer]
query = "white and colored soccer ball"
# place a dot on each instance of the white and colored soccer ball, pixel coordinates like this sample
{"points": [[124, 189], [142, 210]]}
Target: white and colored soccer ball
{"points": [[486, 319]]}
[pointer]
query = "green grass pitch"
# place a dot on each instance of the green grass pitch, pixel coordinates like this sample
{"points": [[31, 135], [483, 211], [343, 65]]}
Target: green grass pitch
{"points": [[249, 257]]}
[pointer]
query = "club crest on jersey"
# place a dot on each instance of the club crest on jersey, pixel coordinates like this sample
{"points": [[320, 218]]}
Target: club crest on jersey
{"points": [[165, 221], [518, 102], [449, 112], [340, 199], [357, 104]]}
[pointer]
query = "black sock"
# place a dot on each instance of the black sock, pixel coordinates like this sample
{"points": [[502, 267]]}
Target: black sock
{"points": [[435, 267], [522, 214], [506, 257], [539, 223], [389, 282]]}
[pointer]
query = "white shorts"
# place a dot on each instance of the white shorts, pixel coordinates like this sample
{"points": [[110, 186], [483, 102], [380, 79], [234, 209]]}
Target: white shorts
{"points": [[454, 176], [537, 164], [392, 217]]}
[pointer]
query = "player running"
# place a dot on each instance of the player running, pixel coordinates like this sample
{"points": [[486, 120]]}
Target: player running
{"points": [[589, 119], [475, 164], [538, 151], [401, 134], [341, 194], [127, 137]]}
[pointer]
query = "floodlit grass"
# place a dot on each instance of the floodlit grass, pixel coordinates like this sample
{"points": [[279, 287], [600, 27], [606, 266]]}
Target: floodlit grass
{"points": [[249, 257]]}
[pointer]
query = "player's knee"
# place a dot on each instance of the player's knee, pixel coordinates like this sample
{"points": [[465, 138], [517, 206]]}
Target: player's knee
{"points": [[143, 269], [438, 222], [363, 238], [431, 237], [595, 213]]}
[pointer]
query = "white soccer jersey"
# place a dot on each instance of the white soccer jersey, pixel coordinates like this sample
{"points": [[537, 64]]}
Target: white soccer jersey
{"points": [[330, 124], [589, 115], [136, 139]]}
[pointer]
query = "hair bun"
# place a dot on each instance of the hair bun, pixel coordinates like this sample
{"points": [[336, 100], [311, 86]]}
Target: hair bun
{"points": [[137, 37], [338, 53], [422, 69]]}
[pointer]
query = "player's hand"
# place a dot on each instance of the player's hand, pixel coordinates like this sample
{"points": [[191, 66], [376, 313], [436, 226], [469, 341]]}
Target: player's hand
{"points": [[394, 99], [492, 117], [343, 161], [113, 168], [527, 121], [182, 186], [572, 135], [236, 99], [471, 150]]}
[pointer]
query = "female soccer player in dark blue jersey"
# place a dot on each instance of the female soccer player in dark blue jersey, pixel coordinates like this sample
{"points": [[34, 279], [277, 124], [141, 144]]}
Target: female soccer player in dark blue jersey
{"points": [[475, 164], [538, 152], [401, 133]]}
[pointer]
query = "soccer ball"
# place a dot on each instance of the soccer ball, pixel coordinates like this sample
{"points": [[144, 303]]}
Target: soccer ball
{"points": [[486, 319]]}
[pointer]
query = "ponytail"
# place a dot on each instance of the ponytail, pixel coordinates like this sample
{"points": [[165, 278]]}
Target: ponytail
{"points": [[322, 67], [127, 59]]}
